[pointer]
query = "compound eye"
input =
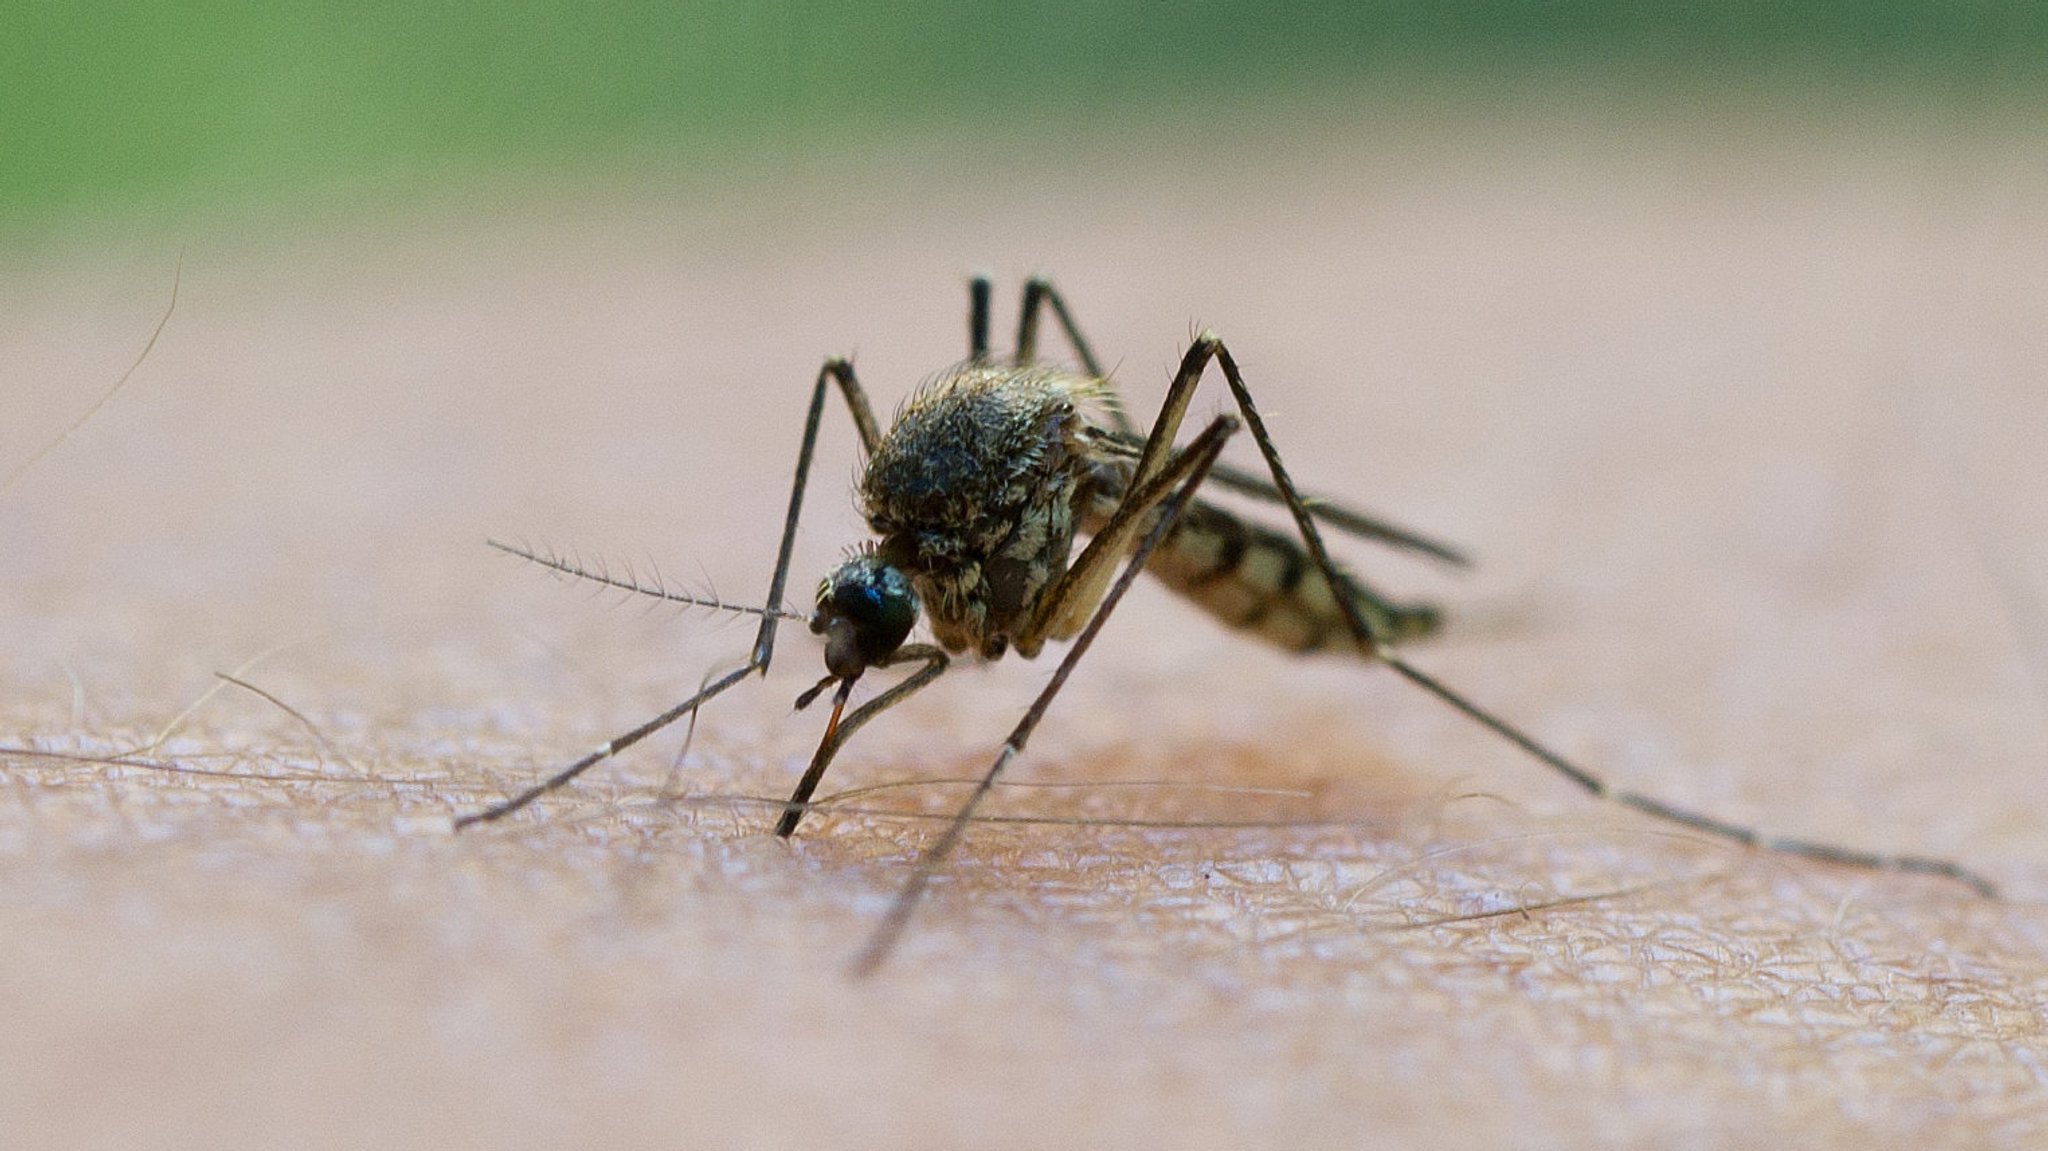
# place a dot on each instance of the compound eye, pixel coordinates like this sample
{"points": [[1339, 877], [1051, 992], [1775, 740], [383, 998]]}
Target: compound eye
{"points": [[865, 610]]}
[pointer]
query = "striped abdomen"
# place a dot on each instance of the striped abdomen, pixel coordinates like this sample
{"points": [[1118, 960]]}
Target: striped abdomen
{"points": [[1262, 581]]}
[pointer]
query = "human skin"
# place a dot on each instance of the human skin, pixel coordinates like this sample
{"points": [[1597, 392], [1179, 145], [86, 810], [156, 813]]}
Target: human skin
{"points": [[1742, 431]]}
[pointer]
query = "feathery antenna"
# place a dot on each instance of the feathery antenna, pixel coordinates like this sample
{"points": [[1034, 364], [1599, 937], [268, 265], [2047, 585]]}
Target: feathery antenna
{"points": [[632, 584]]}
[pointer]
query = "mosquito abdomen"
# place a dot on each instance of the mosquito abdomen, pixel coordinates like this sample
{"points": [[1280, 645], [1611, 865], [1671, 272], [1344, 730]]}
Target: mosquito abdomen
{"points": [[1257, 580]]}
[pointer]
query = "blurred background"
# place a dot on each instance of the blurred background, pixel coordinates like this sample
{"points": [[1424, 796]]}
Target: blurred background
{"points": [[134, 112]]}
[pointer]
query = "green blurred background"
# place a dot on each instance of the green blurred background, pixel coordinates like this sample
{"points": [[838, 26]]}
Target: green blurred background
{"points": [[134, 109]]}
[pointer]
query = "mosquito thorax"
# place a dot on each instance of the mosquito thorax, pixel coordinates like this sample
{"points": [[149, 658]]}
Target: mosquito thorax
{"points": [[865, 611]]}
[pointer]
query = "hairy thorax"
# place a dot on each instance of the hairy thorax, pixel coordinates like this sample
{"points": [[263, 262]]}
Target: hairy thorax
{"points": [[973, 495]]}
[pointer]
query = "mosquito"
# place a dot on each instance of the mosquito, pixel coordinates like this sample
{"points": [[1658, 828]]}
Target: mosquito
{"points": [[977, 495]]}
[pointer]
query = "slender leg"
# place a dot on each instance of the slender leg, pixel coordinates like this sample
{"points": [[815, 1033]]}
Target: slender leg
{"points": [[838, 732], [834, 371], [1350, 521], [1208, 347], [977, 319], [841, 372], [1330, 513], [1165, 497], [1040, 293], [1065, 607]]}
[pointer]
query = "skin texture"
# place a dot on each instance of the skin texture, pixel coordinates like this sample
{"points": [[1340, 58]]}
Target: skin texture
{"points": [[1744, 434]]}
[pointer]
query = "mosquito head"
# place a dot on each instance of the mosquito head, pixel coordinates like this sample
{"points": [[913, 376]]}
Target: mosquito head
{"points": [[865, 611]]}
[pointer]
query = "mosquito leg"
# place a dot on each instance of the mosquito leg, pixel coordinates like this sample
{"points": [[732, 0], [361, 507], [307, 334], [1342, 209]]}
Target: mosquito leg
{"points": [[1065, 607], [837, 371], [839, 731], [1350, 521], [841, 372], [1330, 513], [609, 749], [977, 319], [1166, 498], [1039, 294], [1209, 347]]}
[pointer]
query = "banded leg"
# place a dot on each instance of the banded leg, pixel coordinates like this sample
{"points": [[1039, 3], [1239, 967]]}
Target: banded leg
{"points": [[1208, 347], [837, 371], [1160, 502]]}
